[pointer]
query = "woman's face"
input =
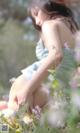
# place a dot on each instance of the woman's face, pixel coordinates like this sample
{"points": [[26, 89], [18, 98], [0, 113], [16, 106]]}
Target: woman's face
{"points": [[39, 16]]}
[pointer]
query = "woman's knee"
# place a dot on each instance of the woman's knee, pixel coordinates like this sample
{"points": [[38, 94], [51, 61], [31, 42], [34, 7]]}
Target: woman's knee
{"points": [[18, 84], [41, 96]]}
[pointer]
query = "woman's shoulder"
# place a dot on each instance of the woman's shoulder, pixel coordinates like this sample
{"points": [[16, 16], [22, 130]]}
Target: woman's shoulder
{"points": [[59, 27], [50, 24], [67, 21]]}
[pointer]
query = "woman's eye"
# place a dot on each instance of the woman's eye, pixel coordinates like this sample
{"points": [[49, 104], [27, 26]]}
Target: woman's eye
{"points": [[36, 13]]}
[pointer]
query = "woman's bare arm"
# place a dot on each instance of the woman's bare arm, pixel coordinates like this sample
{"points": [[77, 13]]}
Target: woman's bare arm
{"points": [[53, 42]]}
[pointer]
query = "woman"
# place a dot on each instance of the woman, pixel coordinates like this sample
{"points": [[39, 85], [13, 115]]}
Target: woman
{"points": [[54, 21]]}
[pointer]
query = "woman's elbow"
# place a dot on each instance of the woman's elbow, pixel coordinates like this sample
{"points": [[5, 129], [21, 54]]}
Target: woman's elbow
{"points": [[58, 59]]}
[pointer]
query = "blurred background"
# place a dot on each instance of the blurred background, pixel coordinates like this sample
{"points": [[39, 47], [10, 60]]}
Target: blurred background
{"points": [[18, 38]]}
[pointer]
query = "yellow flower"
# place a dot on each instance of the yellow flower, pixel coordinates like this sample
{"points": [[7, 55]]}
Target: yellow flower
{"points": [[18, 131]]}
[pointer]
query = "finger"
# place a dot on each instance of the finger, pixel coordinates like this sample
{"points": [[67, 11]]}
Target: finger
{"points": [[21, 100], [13, 104], [16, 99]]}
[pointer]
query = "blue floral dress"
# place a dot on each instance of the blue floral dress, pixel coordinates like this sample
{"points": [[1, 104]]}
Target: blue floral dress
{"points": [[62, 72]]}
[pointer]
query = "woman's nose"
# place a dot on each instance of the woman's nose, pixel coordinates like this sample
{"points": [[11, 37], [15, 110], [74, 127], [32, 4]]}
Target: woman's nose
{"points": [[38, 22]]}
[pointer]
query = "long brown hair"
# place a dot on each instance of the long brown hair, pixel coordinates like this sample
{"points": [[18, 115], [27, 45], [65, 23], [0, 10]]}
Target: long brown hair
{"points": [[52, 8]]}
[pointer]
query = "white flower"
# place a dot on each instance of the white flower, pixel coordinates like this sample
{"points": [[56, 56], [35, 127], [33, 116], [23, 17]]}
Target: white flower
{"points": [[8, 112], [56, 118], [27, 119], [76, 100]]}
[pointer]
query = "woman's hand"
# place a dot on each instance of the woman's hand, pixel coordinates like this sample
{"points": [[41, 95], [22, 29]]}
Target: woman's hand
{"points": [[18, 93], [22, 96], [16, 100]]}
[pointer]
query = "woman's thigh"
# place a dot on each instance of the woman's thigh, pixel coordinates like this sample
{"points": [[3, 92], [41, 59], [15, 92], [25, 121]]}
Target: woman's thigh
{"points": [[18, 85], [40, 97]]}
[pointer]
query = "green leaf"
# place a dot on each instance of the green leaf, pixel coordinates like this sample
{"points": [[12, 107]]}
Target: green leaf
{"points": [[52, 71], [55, 84]]}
